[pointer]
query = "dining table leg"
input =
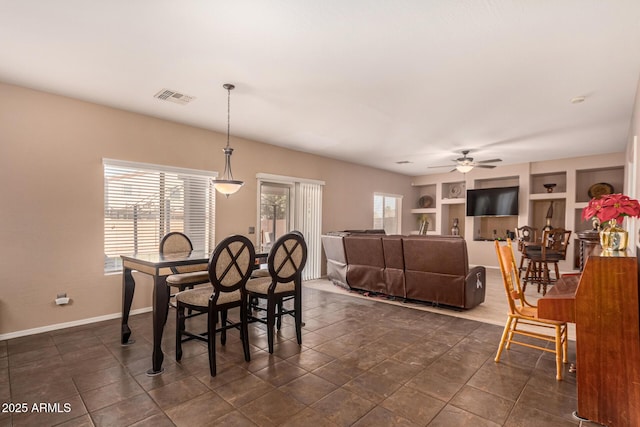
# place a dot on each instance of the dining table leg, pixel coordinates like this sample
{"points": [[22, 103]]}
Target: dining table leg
{"points": [[160, 312], [128, 289]]}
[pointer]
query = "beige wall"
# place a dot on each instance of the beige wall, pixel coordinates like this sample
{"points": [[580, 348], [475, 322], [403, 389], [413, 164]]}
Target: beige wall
{"points": [[51, 151]]}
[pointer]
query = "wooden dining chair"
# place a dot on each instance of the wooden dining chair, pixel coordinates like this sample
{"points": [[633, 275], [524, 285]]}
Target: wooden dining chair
{"points": [[523, 317], [183, 277], [229, 270], [552, 250], [286, 261]]}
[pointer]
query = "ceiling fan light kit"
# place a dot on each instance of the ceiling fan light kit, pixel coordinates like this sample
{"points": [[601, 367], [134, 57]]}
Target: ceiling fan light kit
{"points": [[465, 164]]}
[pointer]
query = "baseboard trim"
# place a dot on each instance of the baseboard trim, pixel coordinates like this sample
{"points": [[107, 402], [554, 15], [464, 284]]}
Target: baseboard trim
{"points": [[64, 325]]}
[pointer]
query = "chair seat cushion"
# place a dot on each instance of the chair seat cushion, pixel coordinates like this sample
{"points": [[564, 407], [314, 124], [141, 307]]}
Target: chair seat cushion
{"points": [[261, 272], [200, 297], [261, 286], [192, 278]]}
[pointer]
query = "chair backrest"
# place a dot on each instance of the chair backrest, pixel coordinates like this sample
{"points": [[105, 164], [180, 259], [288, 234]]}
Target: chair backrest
{"points": [[526, 234], [231, 264], [175, 242], [510, 276], [555, 240], [287, 258]]}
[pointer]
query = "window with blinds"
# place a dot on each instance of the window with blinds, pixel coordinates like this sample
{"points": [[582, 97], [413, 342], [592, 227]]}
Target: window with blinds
{"points": [[387, 213], [143, 202]]}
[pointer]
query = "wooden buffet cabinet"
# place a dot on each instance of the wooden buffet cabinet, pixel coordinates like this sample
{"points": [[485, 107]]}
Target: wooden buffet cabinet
{"points": [[603, 303]]}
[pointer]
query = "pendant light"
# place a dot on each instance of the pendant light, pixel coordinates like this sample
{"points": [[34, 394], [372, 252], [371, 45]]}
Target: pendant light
{"points": [[227, 185]]}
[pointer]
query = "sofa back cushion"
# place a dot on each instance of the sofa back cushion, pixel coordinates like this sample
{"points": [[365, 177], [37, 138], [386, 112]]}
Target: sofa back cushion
{"points": [[365, 260], [436, 254], [394, 266]]}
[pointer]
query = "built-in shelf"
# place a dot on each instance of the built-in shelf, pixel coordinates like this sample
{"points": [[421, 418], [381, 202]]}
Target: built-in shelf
{"points": [[453, 201], [538, 182], [423, 210], [585, 178], [547, 196]]}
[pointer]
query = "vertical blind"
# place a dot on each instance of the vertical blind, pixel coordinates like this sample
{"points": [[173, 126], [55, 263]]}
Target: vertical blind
{"points": [[310, 224], [143, 202]]}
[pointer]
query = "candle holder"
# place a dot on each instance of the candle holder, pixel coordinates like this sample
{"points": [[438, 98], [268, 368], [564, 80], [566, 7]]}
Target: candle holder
{"points": [[549, 187]]}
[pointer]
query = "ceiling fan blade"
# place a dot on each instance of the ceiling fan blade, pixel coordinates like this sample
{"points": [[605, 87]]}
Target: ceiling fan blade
{"points": [[490, 161], [485, 166], [441, 166]]}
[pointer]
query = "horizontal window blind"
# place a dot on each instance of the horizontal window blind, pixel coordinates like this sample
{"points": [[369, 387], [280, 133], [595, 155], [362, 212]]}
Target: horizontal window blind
{"points": [[143, 202]]}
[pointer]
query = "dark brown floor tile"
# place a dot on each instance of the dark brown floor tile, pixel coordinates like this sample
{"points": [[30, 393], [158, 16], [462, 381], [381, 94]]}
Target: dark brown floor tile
{"points": [[74, 346], [41, 367], [422, 354], [98, 363], [27, 357], [381, 417], [109, 394], [555, 404], [65, 336], [483, 404], [172, 373], [338, 372], [204, 409], [178, 392], [452, 416], [398, 371], [308, 389], [83, 421], [29, 343], [92, 380], [225, 374], [308, 417], [233, 419], [502, 380], [4, 349], [364, 358], [441, 381], [413, 405], [5, 392], [272, 409], [280, 373], [260, 360], [126, 412], [372, 386], [313, 339], [525, 416], [309, 359], [244, 390], [547, 384], [335, 348], [343, 407], [158, 420], [49, 416], [47, 389]]}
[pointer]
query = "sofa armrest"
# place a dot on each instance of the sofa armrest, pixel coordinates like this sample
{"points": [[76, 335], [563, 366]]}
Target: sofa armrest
{"points": [[475, 286]]}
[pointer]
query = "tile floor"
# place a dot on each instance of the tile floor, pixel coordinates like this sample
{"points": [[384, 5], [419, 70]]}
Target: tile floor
{"points": [[362, 363]]}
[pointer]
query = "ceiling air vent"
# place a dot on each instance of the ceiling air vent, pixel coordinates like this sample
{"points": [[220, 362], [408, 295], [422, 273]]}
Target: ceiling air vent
{"points": [[173, 96]]}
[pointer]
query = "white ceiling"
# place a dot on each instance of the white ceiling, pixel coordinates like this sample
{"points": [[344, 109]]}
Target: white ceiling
{"points": [[368, 81]]}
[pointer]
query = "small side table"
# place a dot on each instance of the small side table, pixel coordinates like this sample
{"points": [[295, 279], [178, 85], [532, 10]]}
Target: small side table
{"points": [[589, 240]]}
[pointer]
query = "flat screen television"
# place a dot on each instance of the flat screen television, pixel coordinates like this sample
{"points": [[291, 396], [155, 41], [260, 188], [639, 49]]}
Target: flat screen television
{"points": [[500, 201]]}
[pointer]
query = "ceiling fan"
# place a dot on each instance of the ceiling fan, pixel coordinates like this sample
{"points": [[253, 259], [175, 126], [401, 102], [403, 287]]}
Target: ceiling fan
{"points": [[465, 163]]}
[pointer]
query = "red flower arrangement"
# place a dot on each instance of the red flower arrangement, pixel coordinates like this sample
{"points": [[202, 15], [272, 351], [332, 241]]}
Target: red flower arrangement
{"points": [[611, 207]]}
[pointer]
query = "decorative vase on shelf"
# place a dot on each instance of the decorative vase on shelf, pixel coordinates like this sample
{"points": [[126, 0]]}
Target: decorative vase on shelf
{"points": [[455, 230], [613, 238]]}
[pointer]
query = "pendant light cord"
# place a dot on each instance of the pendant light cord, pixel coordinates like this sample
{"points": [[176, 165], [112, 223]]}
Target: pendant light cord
{"points": [[228, 113]]}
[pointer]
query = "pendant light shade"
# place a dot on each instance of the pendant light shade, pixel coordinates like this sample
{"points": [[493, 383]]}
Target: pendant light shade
{"points": [[226, 184]]}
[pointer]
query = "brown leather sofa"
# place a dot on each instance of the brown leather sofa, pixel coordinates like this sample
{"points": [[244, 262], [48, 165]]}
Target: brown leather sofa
{"points": [[424, 268]]}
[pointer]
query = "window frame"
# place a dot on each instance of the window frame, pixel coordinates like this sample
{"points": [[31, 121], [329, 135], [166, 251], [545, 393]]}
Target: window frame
{"points": [[398, 201]]}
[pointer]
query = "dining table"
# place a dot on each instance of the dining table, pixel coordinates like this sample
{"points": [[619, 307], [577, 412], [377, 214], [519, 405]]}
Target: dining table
{"points": [[159, 267]]}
